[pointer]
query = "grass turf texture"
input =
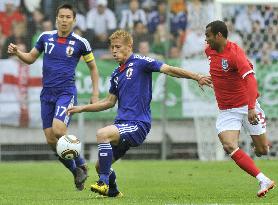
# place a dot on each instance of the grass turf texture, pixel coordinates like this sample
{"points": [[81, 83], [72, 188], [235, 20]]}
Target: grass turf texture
{"points": [[142, 182]]}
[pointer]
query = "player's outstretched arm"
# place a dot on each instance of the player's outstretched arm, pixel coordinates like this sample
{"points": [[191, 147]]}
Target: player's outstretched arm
{"points": [[27, 58], [95, 78], [101, 105], [182, 73]]}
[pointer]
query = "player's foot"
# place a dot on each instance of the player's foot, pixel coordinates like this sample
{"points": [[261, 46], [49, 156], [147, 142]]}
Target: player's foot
{"points": [[100, 187], [80, 177], [265, 186], [115, 193]]}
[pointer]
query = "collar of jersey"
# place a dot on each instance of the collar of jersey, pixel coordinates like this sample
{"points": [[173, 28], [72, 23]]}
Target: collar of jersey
{"points": [[119, 68]]}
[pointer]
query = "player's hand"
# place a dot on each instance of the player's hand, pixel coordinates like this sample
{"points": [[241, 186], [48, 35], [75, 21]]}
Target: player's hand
{"points": [[74, 109], [205, 80], [253, 117], [12, 48]]}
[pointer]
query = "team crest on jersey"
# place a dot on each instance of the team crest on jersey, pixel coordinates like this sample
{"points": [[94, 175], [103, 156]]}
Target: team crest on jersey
{"points": [[225, 65], [129, 73], [69, 51]]}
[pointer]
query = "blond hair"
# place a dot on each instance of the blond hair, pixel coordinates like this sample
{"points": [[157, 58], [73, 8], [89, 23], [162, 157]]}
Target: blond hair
{"points": [[122, 34]]}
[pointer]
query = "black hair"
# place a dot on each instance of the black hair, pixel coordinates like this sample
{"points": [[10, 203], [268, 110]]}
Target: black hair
{"points": [[218, 27], [66, 6]]}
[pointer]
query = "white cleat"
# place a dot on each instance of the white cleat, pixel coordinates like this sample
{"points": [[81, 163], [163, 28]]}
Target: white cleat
{"points": [[265, 186]]}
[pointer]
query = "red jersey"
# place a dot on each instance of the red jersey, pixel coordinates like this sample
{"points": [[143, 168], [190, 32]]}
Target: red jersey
{"points": [[228, 70]]}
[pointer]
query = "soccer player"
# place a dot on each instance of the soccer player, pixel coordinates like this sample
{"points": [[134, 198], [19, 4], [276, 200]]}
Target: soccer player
{"points": [[236, 93], [62, 50], [131, 86]]}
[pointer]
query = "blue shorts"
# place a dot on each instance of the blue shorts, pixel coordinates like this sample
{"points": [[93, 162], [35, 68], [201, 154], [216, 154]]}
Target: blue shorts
{"points": [[54, 103], [132, 134]]}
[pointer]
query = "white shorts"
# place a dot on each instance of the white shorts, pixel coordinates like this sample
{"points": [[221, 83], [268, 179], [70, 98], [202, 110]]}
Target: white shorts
{"points": [[235, 118]]}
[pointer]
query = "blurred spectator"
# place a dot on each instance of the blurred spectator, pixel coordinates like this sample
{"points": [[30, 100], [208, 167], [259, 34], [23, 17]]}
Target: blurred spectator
{"points": [[140, 33], [81, 21], [175, 52], [194, 44], [35, 25], [46, 25], [200, 13], [144, 50], [2, 41], [10, 15], [243, 23], [31, 5], [131, 15], [178, 21], [254, 40], [16, 3], [162, 40], [18, 37], [158, 16], [233, 35], [101, 22]]}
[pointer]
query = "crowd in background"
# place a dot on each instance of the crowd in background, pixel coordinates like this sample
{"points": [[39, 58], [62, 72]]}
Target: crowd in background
{"points": [[173, 29]]}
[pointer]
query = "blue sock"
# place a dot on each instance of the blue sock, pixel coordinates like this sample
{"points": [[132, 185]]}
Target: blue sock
{"points": [[70, 164], [105, 156], [79, 161], [112, 179]]}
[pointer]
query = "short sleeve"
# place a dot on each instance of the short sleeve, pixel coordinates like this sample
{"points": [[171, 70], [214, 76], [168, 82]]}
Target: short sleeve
{"points": [[152, 65], [40, 43], [242, 63], [113, 88]]}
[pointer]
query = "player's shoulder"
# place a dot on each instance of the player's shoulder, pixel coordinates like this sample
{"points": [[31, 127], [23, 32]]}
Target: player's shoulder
{"points": [[232, 46], [81, 39], [47, 34]]}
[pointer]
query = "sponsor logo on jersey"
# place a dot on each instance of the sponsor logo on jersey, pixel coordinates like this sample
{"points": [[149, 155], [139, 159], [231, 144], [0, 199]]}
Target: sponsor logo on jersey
{"points": [[50, 39], [144, 58], [72, 42], [225, 65], [69, 51]]}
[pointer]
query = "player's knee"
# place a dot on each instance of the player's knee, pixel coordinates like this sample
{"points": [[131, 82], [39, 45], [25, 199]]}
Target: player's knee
{"points": [[102, 136], [229, 148], [58, 133]]}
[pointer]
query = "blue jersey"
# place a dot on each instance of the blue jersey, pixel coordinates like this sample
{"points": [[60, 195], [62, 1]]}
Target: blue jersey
{"points": [[132, 84], [61, 55]]}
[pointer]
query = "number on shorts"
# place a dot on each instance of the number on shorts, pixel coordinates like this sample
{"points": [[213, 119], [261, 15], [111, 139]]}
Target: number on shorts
{"points": [[61, 110]]}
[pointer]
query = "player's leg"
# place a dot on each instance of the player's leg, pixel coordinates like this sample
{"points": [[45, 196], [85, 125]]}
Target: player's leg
{"points": [[258, 135], [229, 140], [228, 125], [67, 97], [126, 135], [113, 188], [105, 157]]}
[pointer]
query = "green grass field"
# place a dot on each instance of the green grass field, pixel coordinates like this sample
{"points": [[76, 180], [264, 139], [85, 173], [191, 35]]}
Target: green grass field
{"points": [[142, 182]]}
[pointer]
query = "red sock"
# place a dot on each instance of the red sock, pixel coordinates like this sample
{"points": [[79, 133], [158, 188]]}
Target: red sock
{"points": [[245, 162]]}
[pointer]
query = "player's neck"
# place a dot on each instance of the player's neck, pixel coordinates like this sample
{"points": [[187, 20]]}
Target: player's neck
{"points": [[222, 46], [126, 58], [63, 34]]}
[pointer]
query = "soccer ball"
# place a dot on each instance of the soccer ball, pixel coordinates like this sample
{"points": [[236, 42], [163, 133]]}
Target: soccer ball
{"points": [[68, 147]]}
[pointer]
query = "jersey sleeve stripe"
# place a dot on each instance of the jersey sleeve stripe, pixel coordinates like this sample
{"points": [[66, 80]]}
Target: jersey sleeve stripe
{"points": [[245, 74], [47, 32], [84, 41]]}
